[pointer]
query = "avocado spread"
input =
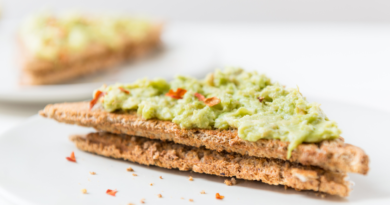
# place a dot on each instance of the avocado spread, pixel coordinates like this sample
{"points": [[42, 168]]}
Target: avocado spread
{"points": [[48, 36], [246, 101]]}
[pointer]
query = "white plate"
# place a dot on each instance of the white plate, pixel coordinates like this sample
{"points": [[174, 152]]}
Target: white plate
{"points": [[34, 170], [181, 54]]}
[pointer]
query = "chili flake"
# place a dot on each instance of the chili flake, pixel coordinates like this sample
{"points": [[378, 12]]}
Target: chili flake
{"points": [[98, 94], [208, 101], [124, 90], [111, 192], [72, 158], [212, 101], [200, 96], [217, 196], [178, 94], [260, 99]]}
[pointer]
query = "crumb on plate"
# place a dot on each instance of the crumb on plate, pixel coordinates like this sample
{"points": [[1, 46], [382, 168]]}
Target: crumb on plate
{"points": [[202, 192], [159, 195], [191, 179], [161, 177], [130, 169], [234, 181], [230, 182], [84, 191], [92, 173], [191, 200], [135, 175]]}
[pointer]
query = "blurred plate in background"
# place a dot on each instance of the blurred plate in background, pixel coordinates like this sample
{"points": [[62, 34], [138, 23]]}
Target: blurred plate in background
{"points": [[179, 55]]}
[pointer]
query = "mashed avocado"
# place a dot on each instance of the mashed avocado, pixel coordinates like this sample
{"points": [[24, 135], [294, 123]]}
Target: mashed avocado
{"points": [[249, 102], [48, 36]]}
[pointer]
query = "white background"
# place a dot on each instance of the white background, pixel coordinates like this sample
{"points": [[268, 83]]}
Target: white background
{"points": [[335, 49], [223, 10]]}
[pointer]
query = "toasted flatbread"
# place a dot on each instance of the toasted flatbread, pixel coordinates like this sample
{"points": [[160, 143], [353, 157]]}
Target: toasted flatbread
{"points": [[332, 155], [95, 59], [175, 156]]}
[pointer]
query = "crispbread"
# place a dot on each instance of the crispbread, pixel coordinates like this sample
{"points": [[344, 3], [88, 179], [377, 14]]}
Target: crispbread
{"points": [[333, 155], [175, 156], [39, 71]]}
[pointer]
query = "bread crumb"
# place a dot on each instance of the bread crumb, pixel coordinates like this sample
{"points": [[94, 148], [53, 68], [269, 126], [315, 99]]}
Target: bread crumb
{"points": [[92, 173], [135, 175], [234, 182], [218, 196], [181, 198], [84, 191], [191, 179], [151, 184], [130, 169], [161, 177], [143, 201], [202, 192], [159, 196], [228, 182], [130, 204], [191, 200]]}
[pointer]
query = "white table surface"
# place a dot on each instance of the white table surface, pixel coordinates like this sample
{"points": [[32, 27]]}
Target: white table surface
{"points": [[344, 62]]}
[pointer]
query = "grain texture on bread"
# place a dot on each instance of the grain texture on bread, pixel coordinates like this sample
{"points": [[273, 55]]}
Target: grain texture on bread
{"points": [[176, 156], [333, 155]]}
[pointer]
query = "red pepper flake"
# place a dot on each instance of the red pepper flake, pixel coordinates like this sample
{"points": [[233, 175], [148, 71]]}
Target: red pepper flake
{"points": [[124, 90], [260, 99], [217, 196], [176, 95], [200, 96], [212, 101], [72, 158], [98, 94], [208, 101], [111, 192]]}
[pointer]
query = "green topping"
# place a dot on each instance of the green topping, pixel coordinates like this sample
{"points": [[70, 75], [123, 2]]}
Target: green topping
{"points": [[249, 102], [50, 37]]}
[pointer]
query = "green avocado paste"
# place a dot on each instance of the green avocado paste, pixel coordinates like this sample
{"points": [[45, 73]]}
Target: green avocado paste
{"points": [[48, 36], [246, 101]]}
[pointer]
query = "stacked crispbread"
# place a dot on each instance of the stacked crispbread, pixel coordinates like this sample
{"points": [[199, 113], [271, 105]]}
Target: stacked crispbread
{"points": [[319, 167], [56, 49]]}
